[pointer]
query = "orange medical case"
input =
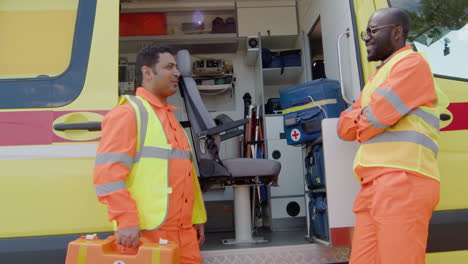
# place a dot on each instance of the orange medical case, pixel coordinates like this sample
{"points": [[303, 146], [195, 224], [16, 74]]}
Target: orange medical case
{"points": [[92, 250]]}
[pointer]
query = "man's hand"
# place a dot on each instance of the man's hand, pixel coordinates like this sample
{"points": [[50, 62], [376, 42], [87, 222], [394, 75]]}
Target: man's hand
{"points": [[200, 228], [129, 237]]}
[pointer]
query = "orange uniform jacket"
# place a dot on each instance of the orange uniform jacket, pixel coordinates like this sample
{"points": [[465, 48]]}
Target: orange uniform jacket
{"points": [[119, 135], [411, 80]]}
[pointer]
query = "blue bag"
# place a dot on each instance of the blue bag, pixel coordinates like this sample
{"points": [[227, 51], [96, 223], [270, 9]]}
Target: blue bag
{"points": [[319, 216], [281, 59], [287, 58], [315, 167], [305, 105]]}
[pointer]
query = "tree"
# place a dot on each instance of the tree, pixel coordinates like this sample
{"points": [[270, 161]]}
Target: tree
{"points": [[435, 18]]}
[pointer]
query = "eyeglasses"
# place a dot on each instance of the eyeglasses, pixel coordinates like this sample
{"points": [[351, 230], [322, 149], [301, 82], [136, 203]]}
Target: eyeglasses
{"points": [[370, 31]]}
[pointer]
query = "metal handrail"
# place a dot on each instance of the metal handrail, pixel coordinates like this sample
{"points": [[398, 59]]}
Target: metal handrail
{"points": [[347, 34]]}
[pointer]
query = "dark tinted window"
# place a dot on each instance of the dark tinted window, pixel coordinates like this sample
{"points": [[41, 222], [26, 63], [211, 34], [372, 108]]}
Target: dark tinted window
{"points": [[44, 51]]}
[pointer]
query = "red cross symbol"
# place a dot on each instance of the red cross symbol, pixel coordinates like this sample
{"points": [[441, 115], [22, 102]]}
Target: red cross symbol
{"points": [[295, 134]]}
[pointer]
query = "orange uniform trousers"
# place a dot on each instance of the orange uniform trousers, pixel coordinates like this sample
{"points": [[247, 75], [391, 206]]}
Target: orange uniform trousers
{"points": [[392, 216], [185, 238]]}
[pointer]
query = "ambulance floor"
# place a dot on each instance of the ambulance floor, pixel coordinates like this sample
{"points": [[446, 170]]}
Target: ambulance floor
{"points": [[213, 241], [283, 247]]}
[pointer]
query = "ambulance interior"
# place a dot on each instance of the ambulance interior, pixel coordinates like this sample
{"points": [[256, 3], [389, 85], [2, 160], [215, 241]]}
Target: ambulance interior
{"points": [[228, 45]]}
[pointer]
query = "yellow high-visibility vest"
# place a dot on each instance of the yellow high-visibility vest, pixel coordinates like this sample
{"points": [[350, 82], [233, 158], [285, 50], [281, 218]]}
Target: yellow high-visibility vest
{"points": [[412, 143], [148, 182]]}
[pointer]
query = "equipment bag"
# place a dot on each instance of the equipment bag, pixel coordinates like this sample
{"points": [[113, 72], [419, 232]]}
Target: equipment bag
{"points": [[281, 59], [305, 105], [315, 167], [319, 216]]}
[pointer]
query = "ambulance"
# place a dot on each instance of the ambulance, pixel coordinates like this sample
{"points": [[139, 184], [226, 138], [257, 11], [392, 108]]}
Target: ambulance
{"points": [[64, 63]]}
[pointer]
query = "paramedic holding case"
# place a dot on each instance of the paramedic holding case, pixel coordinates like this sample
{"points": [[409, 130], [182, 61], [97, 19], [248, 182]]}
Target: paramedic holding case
{"points": [[396, 122], [144, 172]]}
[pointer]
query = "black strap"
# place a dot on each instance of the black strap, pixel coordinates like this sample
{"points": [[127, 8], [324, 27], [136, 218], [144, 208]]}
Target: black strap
{"points": [[282, 62]]}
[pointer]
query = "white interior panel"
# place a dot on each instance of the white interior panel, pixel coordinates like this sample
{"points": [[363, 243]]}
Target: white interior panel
{"points": [[291, 178], [342, 186], [278, 207]]}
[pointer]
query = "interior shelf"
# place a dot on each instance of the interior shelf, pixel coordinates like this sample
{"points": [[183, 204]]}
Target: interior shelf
{"points": [[195, 43], [214, 89], [175, 6], [192, 38], [273, 76]]}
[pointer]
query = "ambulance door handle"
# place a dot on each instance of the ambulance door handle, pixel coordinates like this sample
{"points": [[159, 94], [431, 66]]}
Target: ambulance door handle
{"points": [[78, 126], [347, 34], [445, 117], [95, 126], [90, 126]]}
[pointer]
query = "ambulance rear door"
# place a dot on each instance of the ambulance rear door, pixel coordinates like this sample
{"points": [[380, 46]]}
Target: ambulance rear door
{"points": [[333, 34]]}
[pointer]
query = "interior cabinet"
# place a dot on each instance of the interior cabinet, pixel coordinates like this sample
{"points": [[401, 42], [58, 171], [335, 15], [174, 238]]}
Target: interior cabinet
{"points": [[287, 203], [288, 206], [273, 18]]}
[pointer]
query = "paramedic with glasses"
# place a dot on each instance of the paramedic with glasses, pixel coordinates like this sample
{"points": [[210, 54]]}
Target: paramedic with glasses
{"points": [[396, 122]]}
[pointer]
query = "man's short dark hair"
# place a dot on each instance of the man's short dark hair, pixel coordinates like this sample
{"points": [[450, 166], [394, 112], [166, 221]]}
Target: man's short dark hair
{"points": [[149, 56], [404, 19], [401, 18]]}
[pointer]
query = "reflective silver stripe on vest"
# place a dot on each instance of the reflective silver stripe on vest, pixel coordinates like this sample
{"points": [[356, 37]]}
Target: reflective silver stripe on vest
{"points": [[179, 154], [394, 100], [110, 187], [143, 118], [161, 153], [111, 157], [427, 117], [373, 120], [405, 136]]}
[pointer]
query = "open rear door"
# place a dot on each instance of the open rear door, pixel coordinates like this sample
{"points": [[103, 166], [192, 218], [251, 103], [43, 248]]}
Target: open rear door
{"points": [[342, 187], [333, 34]]}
